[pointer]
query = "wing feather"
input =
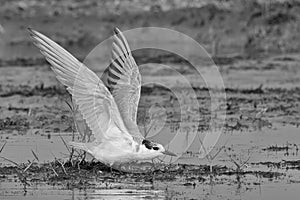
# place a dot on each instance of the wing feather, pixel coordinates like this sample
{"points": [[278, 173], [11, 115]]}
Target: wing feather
{"points": [[94, 101], [124, 80]]}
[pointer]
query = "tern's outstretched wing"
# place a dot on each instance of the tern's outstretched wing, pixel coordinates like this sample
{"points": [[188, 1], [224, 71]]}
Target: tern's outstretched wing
{"points": [[94, 101], [124, 80]]}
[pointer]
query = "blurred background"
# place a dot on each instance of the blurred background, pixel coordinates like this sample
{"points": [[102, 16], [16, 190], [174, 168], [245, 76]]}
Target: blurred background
{"points": [[250, 28]]}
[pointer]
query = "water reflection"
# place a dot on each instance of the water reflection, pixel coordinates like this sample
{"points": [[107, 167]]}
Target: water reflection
{"points": [[116, 194]]}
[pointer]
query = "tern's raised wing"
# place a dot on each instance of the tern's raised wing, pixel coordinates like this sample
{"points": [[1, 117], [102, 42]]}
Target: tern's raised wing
{"points": [[124, 80], [94, 101]]}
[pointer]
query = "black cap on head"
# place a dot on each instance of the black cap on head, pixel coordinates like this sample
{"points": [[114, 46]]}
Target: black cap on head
{"points": [[148, 144]]}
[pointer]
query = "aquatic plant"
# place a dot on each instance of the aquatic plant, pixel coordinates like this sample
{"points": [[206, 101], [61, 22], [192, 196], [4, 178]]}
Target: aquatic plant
{"points": [[21, 169]]}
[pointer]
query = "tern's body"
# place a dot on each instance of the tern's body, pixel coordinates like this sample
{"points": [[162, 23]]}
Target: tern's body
{"points": [[108, 107], [116, 150]]}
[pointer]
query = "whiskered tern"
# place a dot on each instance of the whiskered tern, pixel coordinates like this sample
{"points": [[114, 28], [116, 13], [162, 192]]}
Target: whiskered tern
{"points": [[110, 114]]}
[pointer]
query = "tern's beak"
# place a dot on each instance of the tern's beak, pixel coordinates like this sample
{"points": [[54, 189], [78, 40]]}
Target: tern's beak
{"points": [[169, 153]]}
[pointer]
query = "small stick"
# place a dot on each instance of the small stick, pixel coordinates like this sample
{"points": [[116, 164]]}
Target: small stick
{"points": [[63, 167], [28, 166], [34, 154], [53, 170], [11, 161], [3, 146], [64, 143]]}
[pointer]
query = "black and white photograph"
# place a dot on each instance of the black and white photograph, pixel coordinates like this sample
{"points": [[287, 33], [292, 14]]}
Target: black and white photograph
{"points": [[150, 99]]}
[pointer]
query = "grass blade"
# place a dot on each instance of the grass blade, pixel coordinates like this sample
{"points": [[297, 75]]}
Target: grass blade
{"points": [[10, 161], [28, 166], [66, 145], [3, 146], [35, 155]]}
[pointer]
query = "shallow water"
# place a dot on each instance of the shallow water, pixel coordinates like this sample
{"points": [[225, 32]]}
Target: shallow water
{"points": [[18, 149], [49, 145], [222, 188], [253, 144], [44, 192]]}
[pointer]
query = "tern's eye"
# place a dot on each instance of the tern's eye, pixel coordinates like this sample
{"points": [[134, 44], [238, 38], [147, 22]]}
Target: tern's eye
{"points": [[155, 148]]}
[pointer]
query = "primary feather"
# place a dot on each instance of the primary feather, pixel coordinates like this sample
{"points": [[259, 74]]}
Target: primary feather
{"points": [[94, 101]]}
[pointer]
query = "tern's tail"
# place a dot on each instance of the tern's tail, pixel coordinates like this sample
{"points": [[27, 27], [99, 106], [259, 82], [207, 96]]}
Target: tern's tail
{"points": [[78, 145]]}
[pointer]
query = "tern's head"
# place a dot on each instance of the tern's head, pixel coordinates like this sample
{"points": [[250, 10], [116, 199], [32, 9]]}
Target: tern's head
{"points": [[156, 149]]}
